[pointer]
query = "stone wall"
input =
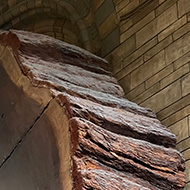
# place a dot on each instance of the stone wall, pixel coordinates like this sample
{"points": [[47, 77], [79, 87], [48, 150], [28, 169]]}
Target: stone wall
{"points": [[152, 62]]}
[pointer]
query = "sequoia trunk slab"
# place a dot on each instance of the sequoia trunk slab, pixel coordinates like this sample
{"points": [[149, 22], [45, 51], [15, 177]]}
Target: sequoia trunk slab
{"points": [[67, 120]]}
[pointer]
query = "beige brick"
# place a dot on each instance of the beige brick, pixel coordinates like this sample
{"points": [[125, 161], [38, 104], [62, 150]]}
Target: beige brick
{"points": [[183, 7], [174, 76], [189, 125], [164, 98], [188, 17], [177, 49], [177, 116], [131, 21], [125, 83], [123, 50], [128, 69], [183, 30], [180, 129], [160, 46], [185, 83], [116, 69], [177, 106], [186, 154], [161, 1], [121, 4], [164, 6], [187, 187], [11, 3], [147, 94], [45, 23], [108, 25], [135, 92], [172, 28], [183, 145], [137, 26], [130, 7], [147, 70], [139, 52], [142, 12], [89, 19], [157, 77], [187, 171], [182, 61], [116, 2], [96, 4], [125, 25], [157, 25]]}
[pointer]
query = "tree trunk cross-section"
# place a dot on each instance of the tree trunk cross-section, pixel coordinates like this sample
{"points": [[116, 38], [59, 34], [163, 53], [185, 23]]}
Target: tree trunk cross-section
{"points": [[66, 125]]}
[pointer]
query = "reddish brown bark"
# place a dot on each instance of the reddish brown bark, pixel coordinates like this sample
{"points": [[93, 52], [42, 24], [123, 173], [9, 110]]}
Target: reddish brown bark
{"points": [[115, 144]]}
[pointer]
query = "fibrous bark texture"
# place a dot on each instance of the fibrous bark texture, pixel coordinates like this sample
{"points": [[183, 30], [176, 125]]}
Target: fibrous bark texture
{"points": [[114, 143]]}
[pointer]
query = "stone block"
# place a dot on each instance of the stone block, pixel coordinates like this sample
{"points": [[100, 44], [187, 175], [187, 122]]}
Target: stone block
{"points": [[157, 25], [116, 2], [110, 42], [148, 69], [185, 83], [182, 61], [180, 129], [184, 112], [183, 7], [177, 49], [137, 26], [7, 16], [188, 16], [172, 28], [15, 11], [187, 171], [186, 154], [160, 46], [139, 52], [135, 92], [125, 83], [128, 69], [108, 25], [164, 98], [121, 5], [183, 145], [125, 25], [123, 50], [183, 30], [159, 76], [116, 69], [161, 1], [174, 76], [104, 11], [144, 10], [177, 106], [147, 94], [164, 6], [97, 4], [187, 187], [128, 8]]}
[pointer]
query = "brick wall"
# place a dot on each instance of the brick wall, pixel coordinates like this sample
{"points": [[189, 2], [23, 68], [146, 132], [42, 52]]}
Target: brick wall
{"points": [[152, 62]]}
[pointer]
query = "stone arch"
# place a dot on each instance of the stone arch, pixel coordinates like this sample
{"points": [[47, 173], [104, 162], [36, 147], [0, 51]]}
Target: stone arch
{"points": [[22, 15], [89, 17]]}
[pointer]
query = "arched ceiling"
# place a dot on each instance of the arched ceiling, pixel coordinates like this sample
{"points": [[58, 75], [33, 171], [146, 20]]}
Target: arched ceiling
{"points": [[74, 21]]}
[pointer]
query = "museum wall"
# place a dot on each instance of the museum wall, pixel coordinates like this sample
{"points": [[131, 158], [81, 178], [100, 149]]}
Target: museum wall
{"points": [[152, 62], [147, 43]]}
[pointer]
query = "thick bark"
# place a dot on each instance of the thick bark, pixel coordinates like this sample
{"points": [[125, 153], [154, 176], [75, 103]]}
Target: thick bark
{"points": [[115, 144]]}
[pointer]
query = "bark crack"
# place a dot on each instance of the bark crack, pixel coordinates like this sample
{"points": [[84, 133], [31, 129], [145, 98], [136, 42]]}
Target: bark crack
{"points": [[24, 135]]}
